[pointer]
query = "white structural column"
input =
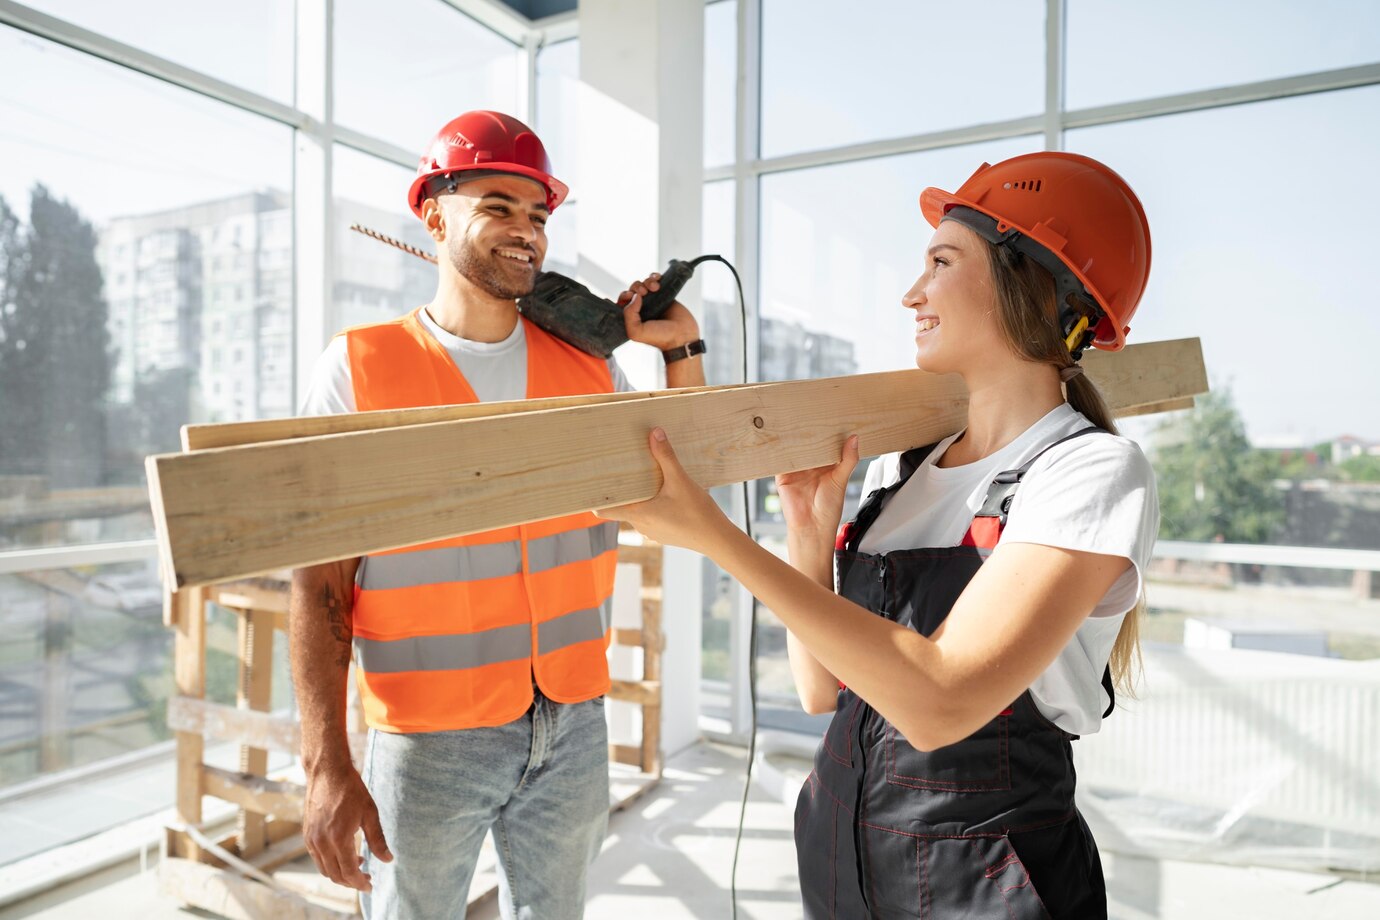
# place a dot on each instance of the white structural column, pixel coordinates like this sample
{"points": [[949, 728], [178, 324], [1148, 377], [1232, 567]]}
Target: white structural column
{"points": [[640, 195]]}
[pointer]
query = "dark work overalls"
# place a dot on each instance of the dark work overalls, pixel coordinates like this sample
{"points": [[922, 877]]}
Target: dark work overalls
{"points": [[972, 830]]}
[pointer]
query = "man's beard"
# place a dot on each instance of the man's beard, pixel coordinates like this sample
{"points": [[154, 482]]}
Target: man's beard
{"points": [[484, 271]]}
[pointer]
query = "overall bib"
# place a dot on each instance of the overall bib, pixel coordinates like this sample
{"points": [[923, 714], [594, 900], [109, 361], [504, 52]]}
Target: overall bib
{"points": [[983, 828]]}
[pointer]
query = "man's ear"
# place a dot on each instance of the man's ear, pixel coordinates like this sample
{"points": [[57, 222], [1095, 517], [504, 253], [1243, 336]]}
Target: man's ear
{"points": [[434, 218]]}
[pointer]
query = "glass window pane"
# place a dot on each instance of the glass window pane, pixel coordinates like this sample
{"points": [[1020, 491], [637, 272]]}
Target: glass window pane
{"points": [[405, 68], [720, 81], [840, 245], [247, 43], [892, 69], [558, 107], [375, 281], [1118, 51], [146, 283], [722, 316], [88, 674], [721, 327], [1262, 255]]}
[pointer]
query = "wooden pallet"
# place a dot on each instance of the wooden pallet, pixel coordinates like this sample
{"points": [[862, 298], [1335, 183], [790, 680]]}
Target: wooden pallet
{"points": [[235, 875]]}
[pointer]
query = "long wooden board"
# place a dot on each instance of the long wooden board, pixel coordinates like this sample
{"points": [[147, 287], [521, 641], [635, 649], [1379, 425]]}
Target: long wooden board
{"points": [[237, 511], [235, 434]]}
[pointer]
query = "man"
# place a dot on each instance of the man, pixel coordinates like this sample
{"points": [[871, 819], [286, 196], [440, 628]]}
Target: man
{"points": [[480, 659]]}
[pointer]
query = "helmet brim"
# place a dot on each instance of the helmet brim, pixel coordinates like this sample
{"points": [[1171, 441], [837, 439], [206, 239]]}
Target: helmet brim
{"points": [[556, 190]]}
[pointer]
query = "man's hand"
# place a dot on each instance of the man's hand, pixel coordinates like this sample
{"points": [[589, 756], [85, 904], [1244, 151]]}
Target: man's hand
{"points": [[337, 806], [676, 327]]}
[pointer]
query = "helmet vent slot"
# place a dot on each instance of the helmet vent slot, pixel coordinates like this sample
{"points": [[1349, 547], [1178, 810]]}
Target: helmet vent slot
{"points": [[1024, 185]]}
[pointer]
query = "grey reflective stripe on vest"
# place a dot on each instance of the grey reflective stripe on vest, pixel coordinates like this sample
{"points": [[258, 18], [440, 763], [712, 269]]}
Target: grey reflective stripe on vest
{"points": [[444, 653], [485, 560], [570, 628], [473, 650], [571, 546]]}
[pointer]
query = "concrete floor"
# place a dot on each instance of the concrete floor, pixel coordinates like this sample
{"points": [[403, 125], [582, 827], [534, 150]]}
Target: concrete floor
{"points": [[669, 856]]}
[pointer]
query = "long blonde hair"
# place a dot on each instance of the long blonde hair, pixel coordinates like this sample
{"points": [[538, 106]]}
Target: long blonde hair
{"points": [[1029, 316]]}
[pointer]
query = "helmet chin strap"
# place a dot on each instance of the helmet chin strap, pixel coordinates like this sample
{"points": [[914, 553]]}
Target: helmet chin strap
{"points": [[1079, 314]]}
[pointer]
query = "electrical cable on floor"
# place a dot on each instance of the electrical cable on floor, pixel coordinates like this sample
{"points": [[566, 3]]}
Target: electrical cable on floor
{"points": [[752, 617]]}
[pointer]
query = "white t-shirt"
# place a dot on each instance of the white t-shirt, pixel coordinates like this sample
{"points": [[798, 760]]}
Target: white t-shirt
{"points": [[1095, 493], [496, 371]]}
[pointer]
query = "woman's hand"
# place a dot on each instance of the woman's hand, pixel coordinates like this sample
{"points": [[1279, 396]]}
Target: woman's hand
{"points": [[812, 500], [681, 514]]}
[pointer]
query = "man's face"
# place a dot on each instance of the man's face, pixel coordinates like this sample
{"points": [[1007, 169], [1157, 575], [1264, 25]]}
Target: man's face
{"points": [[496, 233]]}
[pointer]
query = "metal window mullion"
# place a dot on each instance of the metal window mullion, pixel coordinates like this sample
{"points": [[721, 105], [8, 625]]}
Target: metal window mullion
{"points": [[527, 90], [108, 49], [1016, 127], [1219, 97], [1324, 81], [1055, 69], [64, 557], [375, 147], [747, 257], [557, 27], [313, 208], [496, 17]]}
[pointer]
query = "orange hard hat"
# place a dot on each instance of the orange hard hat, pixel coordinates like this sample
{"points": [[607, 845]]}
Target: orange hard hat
{"points": [[489, 141], [1088, 228]]}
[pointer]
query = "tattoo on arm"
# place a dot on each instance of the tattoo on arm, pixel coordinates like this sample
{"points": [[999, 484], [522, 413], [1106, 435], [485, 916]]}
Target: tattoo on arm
{"points": [[339, 620]]}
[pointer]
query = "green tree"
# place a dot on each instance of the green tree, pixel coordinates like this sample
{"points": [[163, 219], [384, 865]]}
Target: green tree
{"points": [[55, 359], [1365, 468], [1213, 485]]}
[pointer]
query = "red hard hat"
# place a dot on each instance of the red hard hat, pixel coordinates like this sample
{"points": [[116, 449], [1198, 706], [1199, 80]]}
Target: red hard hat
{"points": [[489, 141], [1077, 209]]}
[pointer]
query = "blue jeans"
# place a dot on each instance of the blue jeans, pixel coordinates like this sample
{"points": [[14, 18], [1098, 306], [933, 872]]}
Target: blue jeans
{"points": [[541, 783]]}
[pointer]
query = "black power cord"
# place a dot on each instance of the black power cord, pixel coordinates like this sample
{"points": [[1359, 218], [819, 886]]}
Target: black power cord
{"points": [[752, 613]]}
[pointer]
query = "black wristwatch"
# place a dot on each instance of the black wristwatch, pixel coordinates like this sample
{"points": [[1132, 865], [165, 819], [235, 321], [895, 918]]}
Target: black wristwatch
{"points": [[688, 350]]}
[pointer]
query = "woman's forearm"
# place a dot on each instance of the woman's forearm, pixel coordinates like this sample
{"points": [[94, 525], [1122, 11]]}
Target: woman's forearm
{"points": [[886, 664], [816, 686]]}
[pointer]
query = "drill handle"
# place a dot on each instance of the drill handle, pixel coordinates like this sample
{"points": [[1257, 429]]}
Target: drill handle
{"points": [[657, 302]]}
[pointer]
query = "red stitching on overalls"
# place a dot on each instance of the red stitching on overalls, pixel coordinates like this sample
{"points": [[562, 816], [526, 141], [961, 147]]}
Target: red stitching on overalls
{"points": [[828, 749], [922, 853], [1005, 900], [1002, 780]]}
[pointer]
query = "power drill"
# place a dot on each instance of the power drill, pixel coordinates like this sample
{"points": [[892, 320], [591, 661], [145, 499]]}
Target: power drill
{"points": [[568, 310]]}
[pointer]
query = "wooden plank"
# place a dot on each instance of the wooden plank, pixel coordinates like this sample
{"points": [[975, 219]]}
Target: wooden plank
{"points": [[283, 851], [235, 897], [189, 679], [1169, 405], [632, 638], [255, 693], [235, 434], [257, 729], [641, 692], [227, 723], [272, 798], [253, 594], [237, 511], [628, 754]]}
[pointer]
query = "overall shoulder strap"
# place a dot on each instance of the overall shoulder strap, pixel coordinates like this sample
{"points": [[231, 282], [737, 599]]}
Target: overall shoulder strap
{"points": [[852, 532]]}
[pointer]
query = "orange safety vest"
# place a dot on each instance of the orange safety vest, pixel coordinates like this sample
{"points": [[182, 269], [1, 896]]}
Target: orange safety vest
{"points": [[451, 634]]}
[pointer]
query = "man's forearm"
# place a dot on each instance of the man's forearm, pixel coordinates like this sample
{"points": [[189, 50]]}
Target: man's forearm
{"points": [[320, 642]]}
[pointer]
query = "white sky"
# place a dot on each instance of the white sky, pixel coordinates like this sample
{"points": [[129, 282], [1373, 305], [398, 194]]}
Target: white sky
{"points": [[1263, 215]]}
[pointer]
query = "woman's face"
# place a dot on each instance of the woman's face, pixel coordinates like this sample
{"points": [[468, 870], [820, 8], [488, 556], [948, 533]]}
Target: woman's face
{"points": [[956, 324]]}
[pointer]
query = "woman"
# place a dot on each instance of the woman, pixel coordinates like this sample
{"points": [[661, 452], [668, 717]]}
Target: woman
{"points": [[988, 588]]}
